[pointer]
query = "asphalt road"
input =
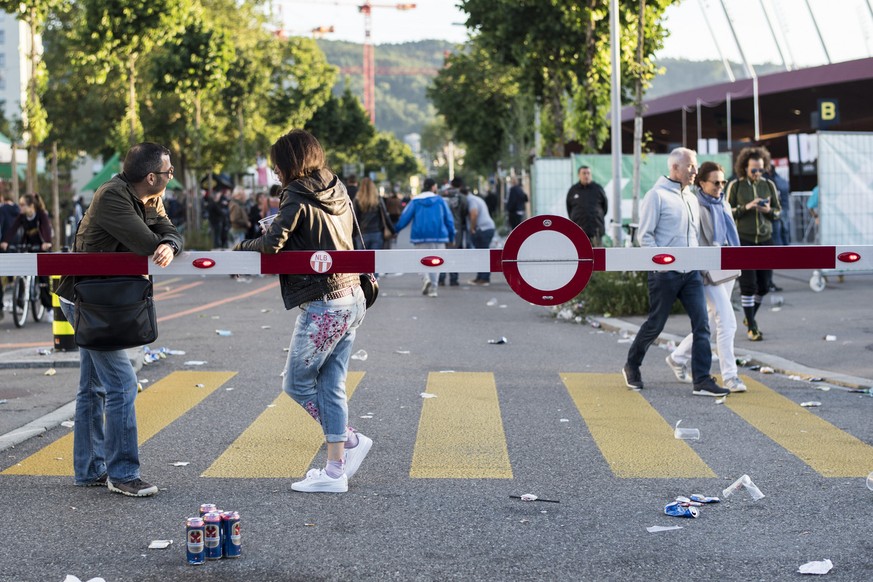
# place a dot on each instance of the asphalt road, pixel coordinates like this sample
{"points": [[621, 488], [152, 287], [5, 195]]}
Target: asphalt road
{"points": [[394, 526]]}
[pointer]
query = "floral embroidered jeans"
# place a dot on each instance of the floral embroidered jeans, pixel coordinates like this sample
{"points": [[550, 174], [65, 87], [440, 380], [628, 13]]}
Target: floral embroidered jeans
{"points": [[318, 360]]}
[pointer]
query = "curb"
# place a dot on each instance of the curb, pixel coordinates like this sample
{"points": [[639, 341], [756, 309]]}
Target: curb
{"points": [[24, 358], [780, 365]]}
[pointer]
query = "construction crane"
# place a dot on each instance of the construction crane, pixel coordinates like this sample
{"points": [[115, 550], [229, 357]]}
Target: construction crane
{"points": [[369, 57]]}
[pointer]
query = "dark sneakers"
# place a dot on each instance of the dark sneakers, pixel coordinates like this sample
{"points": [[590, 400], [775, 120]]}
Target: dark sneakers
{"points": [[632, 377], [132, 488], [708, 387], [98, 482]]}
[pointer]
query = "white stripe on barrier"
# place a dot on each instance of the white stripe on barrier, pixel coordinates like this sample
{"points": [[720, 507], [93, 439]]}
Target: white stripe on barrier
{"points": [[18, 264], [226, 263], [640, 259], [864, 263], [455, 260]]}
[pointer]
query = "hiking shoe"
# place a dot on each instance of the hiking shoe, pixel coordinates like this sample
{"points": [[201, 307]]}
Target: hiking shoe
{"points": [[735, 385], [98, 482], [708, 387], [318, 481], [426, 288], [355, 455], [632, 377], [680, 370], [132, 488], [755, 335]]}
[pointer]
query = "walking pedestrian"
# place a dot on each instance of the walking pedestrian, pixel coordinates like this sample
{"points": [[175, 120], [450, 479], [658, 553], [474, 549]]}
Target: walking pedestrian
{"points": [[516, 204], [315, 213], [716, 229], [668, 218], [457, 202], [432, 227], [755, 203], [125, 215], [481, 232]]}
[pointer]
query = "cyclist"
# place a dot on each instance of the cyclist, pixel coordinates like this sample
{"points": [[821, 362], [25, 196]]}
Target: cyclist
{"points": [[36, 232]]}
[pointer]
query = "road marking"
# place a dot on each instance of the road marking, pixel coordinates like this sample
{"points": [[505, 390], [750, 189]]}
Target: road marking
{"points": [[280, 444], [829, 451], [175, 291], [633, 437], [460, 432], [156, 407], [266, 287]]}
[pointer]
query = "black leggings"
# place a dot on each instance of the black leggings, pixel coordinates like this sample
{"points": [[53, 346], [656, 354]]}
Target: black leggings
{"points": [[755, 282]]}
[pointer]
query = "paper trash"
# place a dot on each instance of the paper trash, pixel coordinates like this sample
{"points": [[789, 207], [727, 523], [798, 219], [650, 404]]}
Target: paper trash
{"points": [[822, 567]]}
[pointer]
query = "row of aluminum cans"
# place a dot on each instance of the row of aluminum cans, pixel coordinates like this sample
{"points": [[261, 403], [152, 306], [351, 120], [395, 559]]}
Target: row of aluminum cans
{"points": [[213, 535]]}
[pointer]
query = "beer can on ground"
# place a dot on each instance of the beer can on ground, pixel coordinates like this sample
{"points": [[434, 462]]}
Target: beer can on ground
{"points": [[206, 508], [677, 509], [212, 535], [194, 546], [232, 535]]}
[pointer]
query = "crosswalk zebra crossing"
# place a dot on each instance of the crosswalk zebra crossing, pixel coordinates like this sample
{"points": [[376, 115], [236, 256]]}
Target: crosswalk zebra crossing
{"points": [[461, 432]]}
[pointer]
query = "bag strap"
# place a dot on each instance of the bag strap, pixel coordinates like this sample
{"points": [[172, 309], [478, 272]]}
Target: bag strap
{"points": [[358, 226]]}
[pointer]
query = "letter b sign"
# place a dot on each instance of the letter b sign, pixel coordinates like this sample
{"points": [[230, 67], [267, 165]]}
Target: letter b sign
{"points": [[828, 112]]}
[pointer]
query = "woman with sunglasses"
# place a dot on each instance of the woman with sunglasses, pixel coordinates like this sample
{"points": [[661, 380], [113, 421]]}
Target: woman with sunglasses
{"points": [[717, 229], [755, 203]]}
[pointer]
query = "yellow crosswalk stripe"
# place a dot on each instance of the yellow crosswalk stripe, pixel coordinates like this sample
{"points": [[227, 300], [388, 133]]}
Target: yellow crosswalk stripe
{"points": [[281, 443], [460, 432], [634, 439], [829, 451], [156, 407]]}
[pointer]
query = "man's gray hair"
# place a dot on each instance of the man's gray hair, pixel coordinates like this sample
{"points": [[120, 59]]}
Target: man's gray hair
{"points": [[679, 155]]}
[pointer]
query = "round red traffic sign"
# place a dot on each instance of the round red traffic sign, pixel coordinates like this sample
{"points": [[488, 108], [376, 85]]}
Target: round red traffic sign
{"points": [[547, 260]]}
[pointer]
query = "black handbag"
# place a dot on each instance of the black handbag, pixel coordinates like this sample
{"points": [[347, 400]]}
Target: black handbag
{"points": [[369, 283], [114, 313]]}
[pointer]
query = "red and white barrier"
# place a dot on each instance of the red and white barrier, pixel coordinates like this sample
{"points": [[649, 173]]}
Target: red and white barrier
{"points": [[547, 260]]}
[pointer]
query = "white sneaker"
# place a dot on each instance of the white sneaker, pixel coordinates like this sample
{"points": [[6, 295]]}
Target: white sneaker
{"points": [[432, 292], [680, 370], [426, 288], [355, 456], [318, 481], [735, 385]]}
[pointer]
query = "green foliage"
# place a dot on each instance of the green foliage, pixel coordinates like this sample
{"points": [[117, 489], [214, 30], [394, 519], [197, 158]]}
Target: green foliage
{"points": [[390, 158], [300, 83]]}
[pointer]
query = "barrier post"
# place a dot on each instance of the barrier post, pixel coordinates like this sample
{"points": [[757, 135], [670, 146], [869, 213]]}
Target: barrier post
{"points": [[61, 328]]}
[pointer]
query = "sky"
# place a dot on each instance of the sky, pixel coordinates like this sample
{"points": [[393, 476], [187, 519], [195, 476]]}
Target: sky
{"points": [[846, 27]]}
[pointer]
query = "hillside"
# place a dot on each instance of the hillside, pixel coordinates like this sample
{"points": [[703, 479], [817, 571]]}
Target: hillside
{"points": [[402, 106]]}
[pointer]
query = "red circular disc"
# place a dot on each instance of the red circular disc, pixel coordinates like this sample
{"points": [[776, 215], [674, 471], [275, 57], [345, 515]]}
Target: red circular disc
{"points": [[556, 260]]}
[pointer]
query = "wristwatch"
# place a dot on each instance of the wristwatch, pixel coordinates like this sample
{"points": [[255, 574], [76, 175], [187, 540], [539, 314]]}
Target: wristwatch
{"points": [[172, 245]]}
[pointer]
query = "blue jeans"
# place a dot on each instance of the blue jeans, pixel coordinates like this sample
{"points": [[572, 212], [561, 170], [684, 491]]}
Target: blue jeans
{"points": [[372, 241], [664, 288], [104, 434], [482, 240], [318, 360]]}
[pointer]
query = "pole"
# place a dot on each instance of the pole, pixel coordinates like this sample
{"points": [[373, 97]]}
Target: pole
{"points": [[616, 123], [773, 34], [818, 31], [730, 144], [56, 203], [750, 70], [13, 163], [699, 123], [714, 37]]}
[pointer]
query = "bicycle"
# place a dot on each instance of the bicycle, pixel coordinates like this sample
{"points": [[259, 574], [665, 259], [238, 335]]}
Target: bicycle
{"points": [[25, 289]]}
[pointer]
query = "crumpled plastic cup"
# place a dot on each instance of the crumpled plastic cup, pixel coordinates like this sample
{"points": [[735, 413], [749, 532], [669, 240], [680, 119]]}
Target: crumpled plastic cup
{"points": [[870, 481], [266, 222], [686, 434]]}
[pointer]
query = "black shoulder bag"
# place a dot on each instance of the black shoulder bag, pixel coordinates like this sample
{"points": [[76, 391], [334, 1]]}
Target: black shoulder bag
{"points": [[114, 313], [369, 283]]}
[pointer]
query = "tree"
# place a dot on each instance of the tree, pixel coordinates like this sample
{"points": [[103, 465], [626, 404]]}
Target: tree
{"points": [[343, 128], [35, 126], [115, 35], [192, 64], [387, 155], [300, 83]]}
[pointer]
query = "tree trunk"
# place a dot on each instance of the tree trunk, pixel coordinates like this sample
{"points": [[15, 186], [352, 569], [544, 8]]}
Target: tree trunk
{"points": [[32, 152], [56, 202], [638, 116], [131, 100]]}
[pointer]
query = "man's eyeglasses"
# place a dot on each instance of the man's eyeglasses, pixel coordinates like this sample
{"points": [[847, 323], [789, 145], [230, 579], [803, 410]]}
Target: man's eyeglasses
{"points": [[169, 172], [720, 184]]}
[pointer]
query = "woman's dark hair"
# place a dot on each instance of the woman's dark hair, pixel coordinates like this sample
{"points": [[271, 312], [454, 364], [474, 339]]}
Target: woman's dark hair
{"points": [[297, 154], [753, 153], [35, 201], [143, 159], [705, 169]]}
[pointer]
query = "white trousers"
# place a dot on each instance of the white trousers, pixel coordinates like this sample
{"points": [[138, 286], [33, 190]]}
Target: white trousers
{"points": [[722, 328]]}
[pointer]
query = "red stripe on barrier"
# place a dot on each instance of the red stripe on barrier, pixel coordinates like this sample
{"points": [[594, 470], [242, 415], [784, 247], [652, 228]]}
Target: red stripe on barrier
{"points": [[91, 264], [302, 262], [773, 257], [599, 259], [496, 260]]}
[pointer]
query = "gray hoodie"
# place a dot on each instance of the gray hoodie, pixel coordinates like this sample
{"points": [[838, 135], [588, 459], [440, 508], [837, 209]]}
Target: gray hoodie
{"points": [[669, 216]]}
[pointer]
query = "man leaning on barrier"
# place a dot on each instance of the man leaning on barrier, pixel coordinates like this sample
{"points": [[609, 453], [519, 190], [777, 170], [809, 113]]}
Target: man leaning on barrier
{"points": [[126, 215]]}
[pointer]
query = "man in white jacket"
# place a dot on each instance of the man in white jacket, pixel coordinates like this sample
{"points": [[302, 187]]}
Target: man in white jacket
{"points": [[669, 217]]}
